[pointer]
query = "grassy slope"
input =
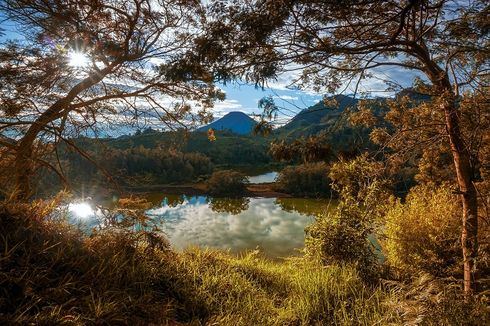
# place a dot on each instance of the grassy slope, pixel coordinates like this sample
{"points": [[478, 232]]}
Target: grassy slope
{"points": [[50, 274]]}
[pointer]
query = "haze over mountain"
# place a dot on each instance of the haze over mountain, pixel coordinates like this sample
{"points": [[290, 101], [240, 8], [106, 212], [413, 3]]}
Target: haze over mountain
{"points": [[236, 122]]}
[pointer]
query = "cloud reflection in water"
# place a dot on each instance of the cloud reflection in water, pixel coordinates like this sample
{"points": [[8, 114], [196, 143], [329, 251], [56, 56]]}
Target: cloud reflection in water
{"points": [[262, 223]]}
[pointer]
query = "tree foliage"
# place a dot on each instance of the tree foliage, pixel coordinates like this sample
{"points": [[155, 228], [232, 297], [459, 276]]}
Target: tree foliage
{"points": [[135, 71], [227, 183], [422, 233], [305, 180], [346, 235], [303, 149]]}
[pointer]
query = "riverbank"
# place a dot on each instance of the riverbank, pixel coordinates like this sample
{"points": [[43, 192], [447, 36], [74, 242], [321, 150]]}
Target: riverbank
{"points": [[265, 190], [55, 275]]}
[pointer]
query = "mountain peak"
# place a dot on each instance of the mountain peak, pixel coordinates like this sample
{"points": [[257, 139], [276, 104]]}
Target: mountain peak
{"points": [[235, 121]]}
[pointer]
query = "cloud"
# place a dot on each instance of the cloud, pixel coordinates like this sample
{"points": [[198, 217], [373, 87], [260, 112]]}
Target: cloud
{"points": [[286, 97], [228, 104], [289, 80]]}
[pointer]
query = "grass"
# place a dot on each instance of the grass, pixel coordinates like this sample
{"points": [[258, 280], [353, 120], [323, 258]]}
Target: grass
{"points": [[51, 274], [254, 291]]}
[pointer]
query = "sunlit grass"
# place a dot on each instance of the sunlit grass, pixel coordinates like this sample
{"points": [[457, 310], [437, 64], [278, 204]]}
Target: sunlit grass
{"points": [[52, 274], [255, 291]]}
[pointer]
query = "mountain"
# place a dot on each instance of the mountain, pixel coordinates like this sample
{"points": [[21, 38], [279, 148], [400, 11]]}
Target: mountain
{"points": [[236, 122], [316, 118]]}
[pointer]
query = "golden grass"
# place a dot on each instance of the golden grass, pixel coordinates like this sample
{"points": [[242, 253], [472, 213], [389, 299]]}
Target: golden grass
{"points": [[51, 274]]}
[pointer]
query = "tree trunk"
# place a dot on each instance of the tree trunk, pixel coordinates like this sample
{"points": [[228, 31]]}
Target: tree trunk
{"points": [[24, 158], [462, 167], [467, 190]]}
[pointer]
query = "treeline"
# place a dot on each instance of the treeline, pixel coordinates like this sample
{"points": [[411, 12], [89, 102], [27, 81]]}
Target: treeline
{"points": [[110, 166], [162, 165], [228, 149]]}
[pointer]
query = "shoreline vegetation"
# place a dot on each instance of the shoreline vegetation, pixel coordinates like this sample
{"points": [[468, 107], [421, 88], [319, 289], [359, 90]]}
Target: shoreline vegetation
{"points": [[265, 190], [293, 181]]}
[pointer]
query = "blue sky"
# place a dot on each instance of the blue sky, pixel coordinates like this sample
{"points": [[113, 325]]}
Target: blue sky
{"points": [[245, 97]]}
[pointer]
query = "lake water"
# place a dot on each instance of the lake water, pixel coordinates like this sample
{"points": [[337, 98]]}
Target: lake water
{"points": [[275, 226], [263, 178]]}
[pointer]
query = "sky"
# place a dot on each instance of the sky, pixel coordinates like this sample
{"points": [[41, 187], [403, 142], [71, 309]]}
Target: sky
{"points": [[244, 97]]}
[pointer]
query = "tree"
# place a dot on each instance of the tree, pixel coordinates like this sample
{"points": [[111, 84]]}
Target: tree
{"points": [[310, 149], [339, 42], [84, 63]]}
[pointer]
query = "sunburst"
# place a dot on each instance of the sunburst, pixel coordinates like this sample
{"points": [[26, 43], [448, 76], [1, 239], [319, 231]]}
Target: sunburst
{"points": [[78, 59]]}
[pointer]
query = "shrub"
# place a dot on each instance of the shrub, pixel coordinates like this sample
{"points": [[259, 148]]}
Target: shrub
{"points": [[227, 183], [306, 180], [423, 234], [342, 237], [347, 235]]}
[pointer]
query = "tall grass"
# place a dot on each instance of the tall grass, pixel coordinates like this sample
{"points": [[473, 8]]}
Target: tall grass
{"points": [[51, 274]]}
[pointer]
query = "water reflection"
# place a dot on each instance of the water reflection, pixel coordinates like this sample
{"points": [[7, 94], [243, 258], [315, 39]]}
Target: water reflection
{"points": [[239, 225], [306, 206], [232, 206]]}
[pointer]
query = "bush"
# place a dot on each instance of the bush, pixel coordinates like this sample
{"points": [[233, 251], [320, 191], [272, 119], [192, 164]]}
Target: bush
{"points": [[342, 237], [423, 234], [306, 180], [346, 235], [227, 183]]}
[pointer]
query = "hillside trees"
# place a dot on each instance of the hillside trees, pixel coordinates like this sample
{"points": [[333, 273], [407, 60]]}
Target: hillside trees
{"points": [[306, 149], [153, 165], [340, 42], [83, 64]]}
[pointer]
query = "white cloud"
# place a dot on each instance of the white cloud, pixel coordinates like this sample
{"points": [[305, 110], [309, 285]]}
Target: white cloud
{"points": [[228, 105], [286, 97]]}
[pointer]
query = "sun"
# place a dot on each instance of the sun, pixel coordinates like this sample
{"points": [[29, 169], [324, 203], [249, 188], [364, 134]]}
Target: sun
{"points": [[82, 210], [78, 59]]}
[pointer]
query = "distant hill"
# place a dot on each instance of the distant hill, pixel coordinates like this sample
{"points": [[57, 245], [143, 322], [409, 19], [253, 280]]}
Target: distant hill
{"points": [[228, 148], [236, 122], [316, 118], [236, 144], [330, 118]]}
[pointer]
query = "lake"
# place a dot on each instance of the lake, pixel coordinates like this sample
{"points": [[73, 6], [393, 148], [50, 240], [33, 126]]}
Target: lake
{"points": [[275, 226], [263, 178]]}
